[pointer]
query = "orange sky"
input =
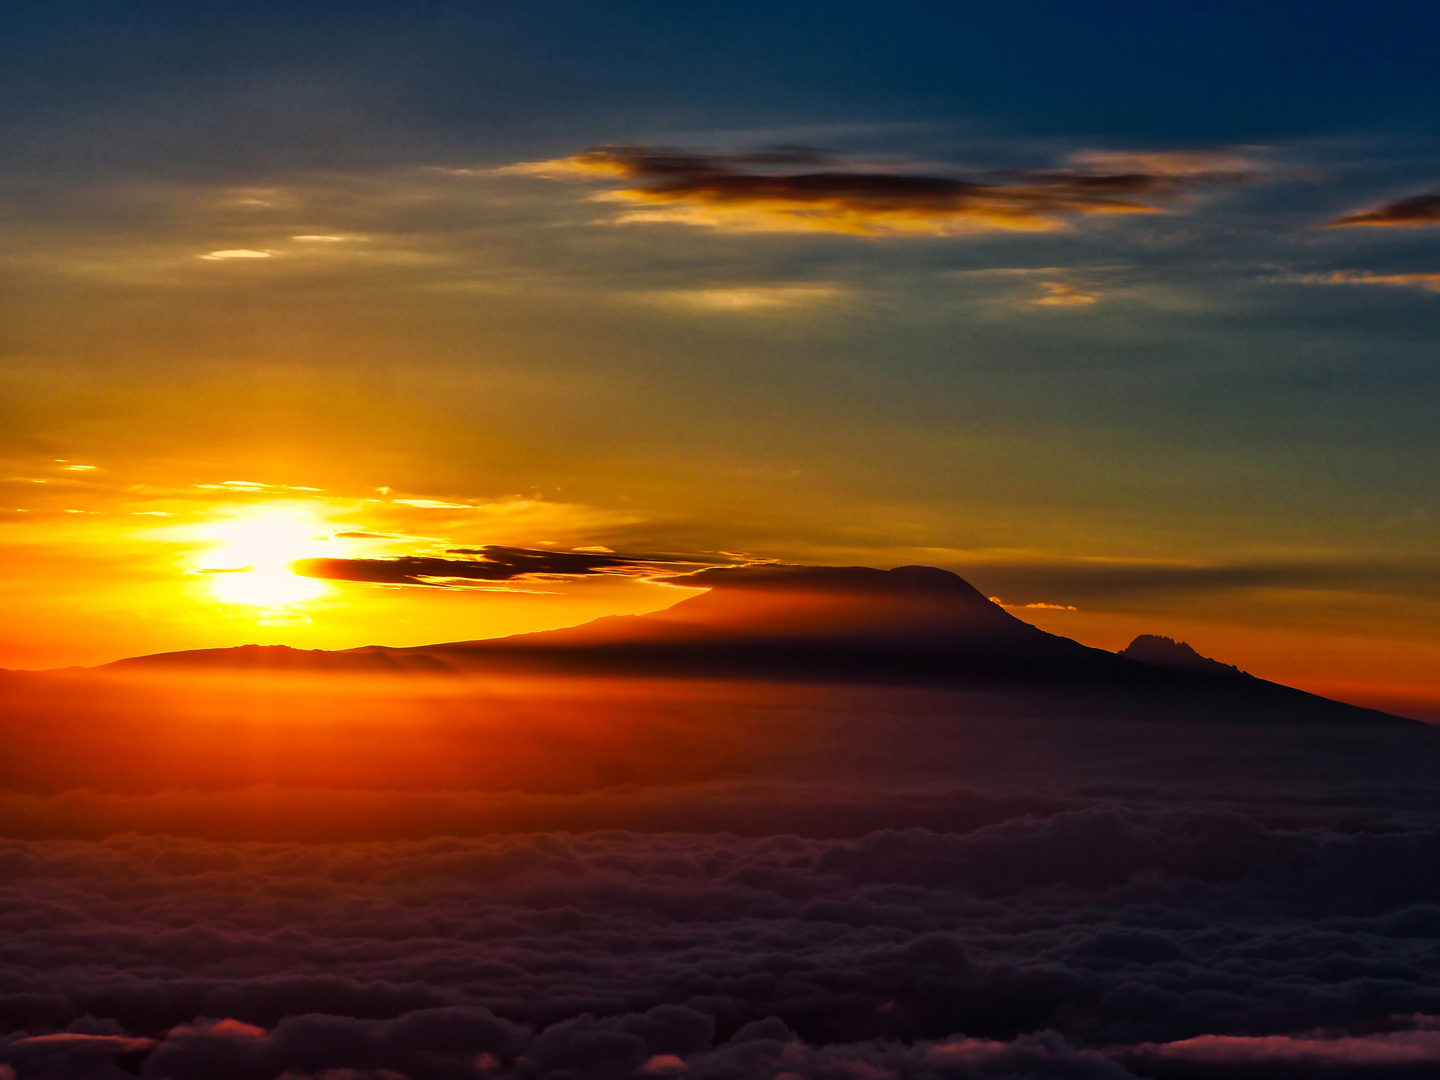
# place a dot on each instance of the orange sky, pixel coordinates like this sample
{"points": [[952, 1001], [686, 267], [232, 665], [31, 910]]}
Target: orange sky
{"points": [[1117, 422]]}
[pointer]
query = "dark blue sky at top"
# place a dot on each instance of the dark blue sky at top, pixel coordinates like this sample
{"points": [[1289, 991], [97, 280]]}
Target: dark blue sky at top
{"points": [[193, 87]]}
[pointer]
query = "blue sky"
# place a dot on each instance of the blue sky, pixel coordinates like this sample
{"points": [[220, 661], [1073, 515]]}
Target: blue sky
{"points": [[344, 84]]}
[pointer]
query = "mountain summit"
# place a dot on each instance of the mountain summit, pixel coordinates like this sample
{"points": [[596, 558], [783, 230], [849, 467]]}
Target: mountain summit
{"points": [[913, 624]]}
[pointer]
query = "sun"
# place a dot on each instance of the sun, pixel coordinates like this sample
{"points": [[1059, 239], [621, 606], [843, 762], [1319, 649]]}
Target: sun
{"points": [[252, 550]]}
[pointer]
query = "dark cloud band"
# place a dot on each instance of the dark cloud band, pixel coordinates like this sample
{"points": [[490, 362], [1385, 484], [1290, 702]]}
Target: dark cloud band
{"points": [[833, 195], [490, 563]]}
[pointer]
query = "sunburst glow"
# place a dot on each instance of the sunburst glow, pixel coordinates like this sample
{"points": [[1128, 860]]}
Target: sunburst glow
{"points": [[249, 562]]}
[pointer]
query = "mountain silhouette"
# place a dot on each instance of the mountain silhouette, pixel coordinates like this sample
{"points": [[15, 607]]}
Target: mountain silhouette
{"points": [[913, 626]]}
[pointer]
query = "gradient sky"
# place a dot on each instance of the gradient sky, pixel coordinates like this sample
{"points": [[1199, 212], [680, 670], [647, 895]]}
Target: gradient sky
{"points": [[1128, 313]]}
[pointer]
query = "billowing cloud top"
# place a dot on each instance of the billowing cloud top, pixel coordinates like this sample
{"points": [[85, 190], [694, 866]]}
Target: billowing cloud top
{"points": [[798, 189], [1423, 209]]}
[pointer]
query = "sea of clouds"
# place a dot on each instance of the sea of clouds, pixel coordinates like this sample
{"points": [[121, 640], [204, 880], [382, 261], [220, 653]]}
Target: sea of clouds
{"points": [[1103, 942]]}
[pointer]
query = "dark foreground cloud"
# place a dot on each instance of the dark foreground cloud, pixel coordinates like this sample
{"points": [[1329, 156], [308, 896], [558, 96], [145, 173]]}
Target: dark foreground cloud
{"points": [[1106, 942], [492, 562], [798, 189], [1421, 209]]}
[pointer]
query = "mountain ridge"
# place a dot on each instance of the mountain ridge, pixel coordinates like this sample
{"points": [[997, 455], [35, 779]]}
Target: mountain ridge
{"points": [[909, 626]]}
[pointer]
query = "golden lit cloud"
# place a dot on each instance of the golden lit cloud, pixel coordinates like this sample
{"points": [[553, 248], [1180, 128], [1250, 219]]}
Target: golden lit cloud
{"points": [[1039, 605], [800, 190], [1417, 210]]}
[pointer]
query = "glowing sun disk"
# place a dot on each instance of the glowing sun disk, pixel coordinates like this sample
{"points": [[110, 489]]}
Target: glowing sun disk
{"points": [[252, 553]]}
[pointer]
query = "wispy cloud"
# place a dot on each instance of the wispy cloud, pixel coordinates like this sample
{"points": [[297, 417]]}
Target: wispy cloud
{"points": [[433, 504], [1205, 165], [253, 487], [748, 298], [237, 253], [1057, 288], [1422, 209], [1429, 280], [802, 190], [1065, 294]]}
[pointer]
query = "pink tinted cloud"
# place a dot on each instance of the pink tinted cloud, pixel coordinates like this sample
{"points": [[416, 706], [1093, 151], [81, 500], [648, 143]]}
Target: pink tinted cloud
{"points": [[965, 1051], [219, 1029], [1387, 1048]]}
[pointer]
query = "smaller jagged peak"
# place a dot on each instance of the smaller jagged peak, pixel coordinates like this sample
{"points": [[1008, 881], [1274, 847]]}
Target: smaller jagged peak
{"points": [[1159, 651]]}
